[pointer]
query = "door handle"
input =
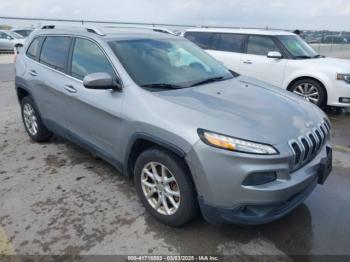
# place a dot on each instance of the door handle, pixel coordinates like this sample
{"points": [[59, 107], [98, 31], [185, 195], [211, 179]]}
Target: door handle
{"points": [[248, 62], [70, 89], [33, 73]]}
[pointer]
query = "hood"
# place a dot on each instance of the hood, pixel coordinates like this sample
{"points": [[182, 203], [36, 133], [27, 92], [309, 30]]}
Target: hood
{"points": [[246, 108], [330, 63]]}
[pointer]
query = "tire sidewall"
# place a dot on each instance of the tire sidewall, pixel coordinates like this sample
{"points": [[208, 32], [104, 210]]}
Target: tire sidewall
{"points": [[187, 196]]}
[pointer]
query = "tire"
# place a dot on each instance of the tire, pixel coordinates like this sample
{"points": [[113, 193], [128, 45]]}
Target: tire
{"points": [[36, 130], [310, 85], [187, 206]]}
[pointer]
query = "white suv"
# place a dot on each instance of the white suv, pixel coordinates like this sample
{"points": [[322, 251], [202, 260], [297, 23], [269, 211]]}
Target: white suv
{"points": [[280, 58]]}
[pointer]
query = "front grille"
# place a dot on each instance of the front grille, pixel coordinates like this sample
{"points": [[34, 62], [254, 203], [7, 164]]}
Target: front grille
{"points": [[305, 148]]}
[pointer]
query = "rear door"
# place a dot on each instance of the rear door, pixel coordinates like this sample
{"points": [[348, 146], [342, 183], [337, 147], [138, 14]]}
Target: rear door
{"points": [[256, 64], [228, 48], [225, 47], [94, 115], [46, 75]]}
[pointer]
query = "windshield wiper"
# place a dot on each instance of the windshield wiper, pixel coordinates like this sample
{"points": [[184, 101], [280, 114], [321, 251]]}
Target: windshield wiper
{"points": [[211, 80], [302, 57], [162, 86]]}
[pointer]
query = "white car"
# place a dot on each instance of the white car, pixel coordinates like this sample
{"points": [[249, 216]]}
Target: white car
{"points": [[280, 58], [9, 39]]}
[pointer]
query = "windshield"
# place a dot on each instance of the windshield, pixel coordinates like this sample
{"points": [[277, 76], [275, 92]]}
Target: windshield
{"points": [[14, 35], [297, 47], [168, 62]]}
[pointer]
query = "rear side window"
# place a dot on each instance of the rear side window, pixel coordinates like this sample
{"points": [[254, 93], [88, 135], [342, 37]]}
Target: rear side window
{"points": [[260, 45], [202, 39], [229, 42], [54, 52], [88, 58], [33, 49]]}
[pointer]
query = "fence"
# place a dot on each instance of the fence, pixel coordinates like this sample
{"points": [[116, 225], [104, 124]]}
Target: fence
{"points": [[328, 43]]}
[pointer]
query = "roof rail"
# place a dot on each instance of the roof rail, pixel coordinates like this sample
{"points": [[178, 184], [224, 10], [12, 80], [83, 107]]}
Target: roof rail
{"points": [[48, 27], [93, 30], [153, 28]]}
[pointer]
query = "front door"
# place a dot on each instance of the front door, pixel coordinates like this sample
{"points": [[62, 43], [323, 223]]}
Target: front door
{"points": [[95, 115], [256, 64]]}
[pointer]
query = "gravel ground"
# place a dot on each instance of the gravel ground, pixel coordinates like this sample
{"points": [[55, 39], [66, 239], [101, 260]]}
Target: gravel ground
{"points": [[56, 198]]}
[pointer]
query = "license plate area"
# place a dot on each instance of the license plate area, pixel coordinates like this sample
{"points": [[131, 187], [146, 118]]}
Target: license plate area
{"points": [[325, 167]]}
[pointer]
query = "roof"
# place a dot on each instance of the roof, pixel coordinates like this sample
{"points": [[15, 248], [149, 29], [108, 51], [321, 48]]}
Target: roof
{"points": [[241, 31]]}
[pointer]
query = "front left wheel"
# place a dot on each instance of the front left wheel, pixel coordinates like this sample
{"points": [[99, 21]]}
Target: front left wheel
{"points": [[165, 187], [32, 121]]}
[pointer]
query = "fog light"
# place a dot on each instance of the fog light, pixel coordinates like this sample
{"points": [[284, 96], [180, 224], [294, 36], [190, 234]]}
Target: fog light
{"points": [[256, 179], [344, 100]]}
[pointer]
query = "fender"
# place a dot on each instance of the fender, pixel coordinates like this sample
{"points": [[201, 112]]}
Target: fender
{"points": [[153, 139]]}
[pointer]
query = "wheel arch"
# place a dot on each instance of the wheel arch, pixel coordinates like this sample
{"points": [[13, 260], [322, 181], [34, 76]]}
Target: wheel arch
{"points": [[321, 82], [140, 142], [22, 93]]}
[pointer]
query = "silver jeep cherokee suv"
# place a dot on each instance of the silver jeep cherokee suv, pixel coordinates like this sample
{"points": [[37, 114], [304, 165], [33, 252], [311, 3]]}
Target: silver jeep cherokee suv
{"points": [[193, 135]]}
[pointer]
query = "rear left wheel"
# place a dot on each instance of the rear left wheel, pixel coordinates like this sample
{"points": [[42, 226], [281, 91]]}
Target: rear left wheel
{"points": [[32, 121]]}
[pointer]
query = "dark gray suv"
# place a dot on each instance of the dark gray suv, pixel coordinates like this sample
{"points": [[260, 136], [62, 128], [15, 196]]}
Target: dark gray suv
{"points": [[194, 135]]}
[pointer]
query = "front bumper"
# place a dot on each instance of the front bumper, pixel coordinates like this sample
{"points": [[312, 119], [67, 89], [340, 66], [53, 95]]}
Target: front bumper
{"points": [[338, 91], [219, 174]]}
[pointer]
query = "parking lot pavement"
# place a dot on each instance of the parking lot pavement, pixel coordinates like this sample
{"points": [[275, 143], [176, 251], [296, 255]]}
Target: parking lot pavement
{"points": [[56, 198]]}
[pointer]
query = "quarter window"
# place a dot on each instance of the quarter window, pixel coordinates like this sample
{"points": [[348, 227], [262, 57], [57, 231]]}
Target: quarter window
{"points": [[229, 42], [261, 45], [55, 51], [202, 39], [88, 58], [33, 49]]}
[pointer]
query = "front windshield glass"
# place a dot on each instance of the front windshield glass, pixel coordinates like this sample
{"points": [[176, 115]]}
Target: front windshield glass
{"points": [[168, 62], [14, 35], [297, 47]]}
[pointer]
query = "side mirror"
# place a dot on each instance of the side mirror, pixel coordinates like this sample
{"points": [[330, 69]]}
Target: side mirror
{"points": [[101, 81], [274, 54]]}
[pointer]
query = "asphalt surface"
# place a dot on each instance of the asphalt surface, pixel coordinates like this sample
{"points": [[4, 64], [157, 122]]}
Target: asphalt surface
{"points": [[56, 198]]}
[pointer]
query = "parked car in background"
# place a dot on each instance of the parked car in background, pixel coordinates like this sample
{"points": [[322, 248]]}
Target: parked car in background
{"points": [[9, 39], [191, 132], [334, 39], [279, 58], [23, 32]]}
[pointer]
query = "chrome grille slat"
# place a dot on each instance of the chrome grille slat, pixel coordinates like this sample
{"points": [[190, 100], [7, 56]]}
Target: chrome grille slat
{"points": [[305, 148]]}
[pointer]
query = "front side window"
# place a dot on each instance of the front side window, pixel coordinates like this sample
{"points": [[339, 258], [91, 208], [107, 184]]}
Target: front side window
{"points": [[54, 52], [202, 39], [261, 45], [88, 58], [161, 62], [229, 42], [33, 49], [14, 35], [297, 47], [4, 36]]}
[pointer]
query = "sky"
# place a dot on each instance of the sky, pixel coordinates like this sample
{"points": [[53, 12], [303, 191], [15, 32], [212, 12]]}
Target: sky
{"points": [[280, 14]]}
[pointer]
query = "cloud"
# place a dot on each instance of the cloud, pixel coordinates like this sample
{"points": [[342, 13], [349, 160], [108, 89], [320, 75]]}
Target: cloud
{"points": [[56, 9], [311, 14]]}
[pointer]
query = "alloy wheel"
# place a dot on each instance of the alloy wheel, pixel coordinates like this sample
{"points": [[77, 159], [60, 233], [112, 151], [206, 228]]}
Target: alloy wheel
{"points": [[308, 91], [160, 188], [30, 119]]}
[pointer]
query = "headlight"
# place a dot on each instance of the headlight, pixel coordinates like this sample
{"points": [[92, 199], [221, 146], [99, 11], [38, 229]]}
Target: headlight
{"points": [[344, 77], [235, 144]]}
